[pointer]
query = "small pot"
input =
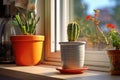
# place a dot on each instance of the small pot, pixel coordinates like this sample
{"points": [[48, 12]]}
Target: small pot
{"points": [[72, 54], [114, 56]]}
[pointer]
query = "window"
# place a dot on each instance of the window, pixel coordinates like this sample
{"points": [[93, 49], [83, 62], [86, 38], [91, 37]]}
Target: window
{"points": [[60, 12], [54, 29]]}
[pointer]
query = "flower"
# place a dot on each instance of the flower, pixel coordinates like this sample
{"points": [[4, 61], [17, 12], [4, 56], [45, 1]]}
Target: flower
{"points": [[112, 37], [88, 17], [110, 26]]}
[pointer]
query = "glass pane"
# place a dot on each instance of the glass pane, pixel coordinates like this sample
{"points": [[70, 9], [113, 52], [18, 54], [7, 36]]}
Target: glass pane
{"points": [[109, 13]]}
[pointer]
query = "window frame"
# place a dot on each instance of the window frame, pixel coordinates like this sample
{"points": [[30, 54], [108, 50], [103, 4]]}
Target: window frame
{"points": [[49, 56]]}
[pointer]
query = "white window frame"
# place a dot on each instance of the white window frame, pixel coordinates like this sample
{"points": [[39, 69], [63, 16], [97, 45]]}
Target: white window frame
{"points": [[97, 60]]}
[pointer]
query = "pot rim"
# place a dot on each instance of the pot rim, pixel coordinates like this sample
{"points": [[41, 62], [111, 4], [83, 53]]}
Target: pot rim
{"points": [[72, 43], [27, 38]]}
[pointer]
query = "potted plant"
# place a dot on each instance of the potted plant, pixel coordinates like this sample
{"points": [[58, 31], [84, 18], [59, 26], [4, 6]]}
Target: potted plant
{"points": [[112, 40], [27, 48], [73, 51]]}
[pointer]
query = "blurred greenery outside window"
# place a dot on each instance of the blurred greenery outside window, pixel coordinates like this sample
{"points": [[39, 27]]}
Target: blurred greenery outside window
{"points": [[109, 13]]}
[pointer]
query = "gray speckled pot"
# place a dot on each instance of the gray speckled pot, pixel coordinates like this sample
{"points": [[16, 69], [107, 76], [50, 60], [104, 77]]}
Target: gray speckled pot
{"points": [[72, 54]]}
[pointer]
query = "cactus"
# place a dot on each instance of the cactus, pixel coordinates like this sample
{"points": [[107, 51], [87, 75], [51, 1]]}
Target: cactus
{"points": [[27, 22], [73, 30]]}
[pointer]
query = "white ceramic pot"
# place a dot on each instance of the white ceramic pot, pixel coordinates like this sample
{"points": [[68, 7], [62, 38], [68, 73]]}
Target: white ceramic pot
{"points": [[72, 54]]}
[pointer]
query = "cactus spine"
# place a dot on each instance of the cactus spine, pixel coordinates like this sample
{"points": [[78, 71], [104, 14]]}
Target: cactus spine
{"points": [[73, 30]]}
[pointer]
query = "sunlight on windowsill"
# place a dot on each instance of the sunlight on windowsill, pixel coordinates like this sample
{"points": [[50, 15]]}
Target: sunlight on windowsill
{"points": [[47, 72]]}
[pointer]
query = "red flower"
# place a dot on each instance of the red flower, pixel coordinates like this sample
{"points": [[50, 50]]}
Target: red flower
{"points": [[111, 26], [88, 17]]}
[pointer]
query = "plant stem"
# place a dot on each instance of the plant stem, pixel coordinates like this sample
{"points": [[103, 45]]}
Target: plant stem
{"points": [[106, 40]]}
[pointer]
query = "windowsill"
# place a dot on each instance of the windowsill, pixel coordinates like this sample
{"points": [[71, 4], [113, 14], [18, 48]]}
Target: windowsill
{"points": [[45, 72]]}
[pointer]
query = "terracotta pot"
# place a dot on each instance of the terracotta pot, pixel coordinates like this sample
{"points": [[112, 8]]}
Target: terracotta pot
{"points": [[114, 56], [27, 49]]}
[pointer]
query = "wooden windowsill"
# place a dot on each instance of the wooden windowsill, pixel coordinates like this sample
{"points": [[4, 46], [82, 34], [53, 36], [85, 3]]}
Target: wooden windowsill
{"points": [[46, 72]]}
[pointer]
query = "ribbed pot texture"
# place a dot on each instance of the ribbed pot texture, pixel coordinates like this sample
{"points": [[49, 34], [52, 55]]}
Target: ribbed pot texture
{"points": [[72, 55], [114, 56]]}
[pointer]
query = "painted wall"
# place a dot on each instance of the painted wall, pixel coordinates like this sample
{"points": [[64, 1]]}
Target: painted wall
{"points": [[40, 9]]}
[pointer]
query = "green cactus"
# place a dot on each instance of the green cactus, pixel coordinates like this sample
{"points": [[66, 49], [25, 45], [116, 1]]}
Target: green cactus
{"points": [[73, 30], [27, 22]]}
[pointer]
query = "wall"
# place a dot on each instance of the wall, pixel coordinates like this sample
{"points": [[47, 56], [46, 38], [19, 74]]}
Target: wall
{"points": [[40, 4]]}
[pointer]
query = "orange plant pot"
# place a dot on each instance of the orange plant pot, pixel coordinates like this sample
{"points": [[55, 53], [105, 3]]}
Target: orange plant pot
{"points": [[27, 49]]}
